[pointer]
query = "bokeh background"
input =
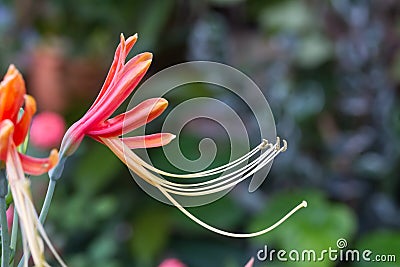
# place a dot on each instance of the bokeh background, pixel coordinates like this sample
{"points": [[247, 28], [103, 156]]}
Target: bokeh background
{"points": [[331, 73]]}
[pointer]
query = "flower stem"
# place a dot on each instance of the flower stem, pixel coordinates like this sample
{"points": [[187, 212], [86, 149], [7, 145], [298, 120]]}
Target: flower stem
{"points": [[45, 209], [5, 238], [14, 234], [47, 201]]}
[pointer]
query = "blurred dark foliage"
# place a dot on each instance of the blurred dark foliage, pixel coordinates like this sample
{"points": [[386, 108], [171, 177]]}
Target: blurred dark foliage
{"points": [[331, 73]]}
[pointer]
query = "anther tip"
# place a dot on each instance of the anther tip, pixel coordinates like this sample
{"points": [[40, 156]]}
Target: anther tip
{"points": [[264, 143], [304, 204], [284, 145], [278, 143]]}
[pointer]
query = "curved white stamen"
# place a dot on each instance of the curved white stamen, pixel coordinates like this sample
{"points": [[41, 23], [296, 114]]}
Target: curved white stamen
{"points": [[216, 187], [303, 204], [241, 170], [248, 170], [217, 170], [200, 189], [129, 158]]}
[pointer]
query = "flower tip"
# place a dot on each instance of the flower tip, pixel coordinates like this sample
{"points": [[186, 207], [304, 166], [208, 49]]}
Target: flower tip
{"points": [[53, 158], [146, 56], [162, 103], [122, 37], [6, 131], [133, 37], [13, 74], [6, 127], [30, 104], [12, 70], [167, 138]]}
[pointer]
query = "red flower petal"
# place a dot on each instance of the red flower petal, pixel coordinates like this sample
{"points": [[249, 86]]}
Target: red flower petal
{"points": [[22, 127], [12, 90], [119, 59], [126, 81], [6, 131], [148, 141], [143, 113], [37, 166]]}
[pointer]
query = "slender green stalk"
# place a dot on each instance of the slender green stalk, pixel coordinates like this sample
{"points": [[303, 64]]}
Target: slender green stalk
{"points": [[45, 210], [47, 201], [14, 234], [5, 237]]}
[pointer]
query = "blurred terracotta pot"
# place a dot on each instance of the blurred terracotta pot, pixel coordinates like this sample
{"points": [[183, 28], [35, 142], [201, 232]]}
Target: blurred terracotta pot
{"points": [[46, 77], [55, 78]]}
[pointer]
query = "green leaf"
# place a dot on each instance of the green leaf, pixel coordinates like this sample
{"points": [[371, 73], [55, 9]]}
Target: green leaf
{"points": [[225, 2], [104, 207], [96, 168], [151, 25], [150, 234], [314, 49], [103, 249], [287, 16]]}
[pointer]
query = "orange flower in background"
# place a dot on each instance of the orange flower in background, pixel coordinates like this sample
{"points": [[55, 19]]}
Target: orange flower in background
{"points": [[121, 80], [13, 131]]}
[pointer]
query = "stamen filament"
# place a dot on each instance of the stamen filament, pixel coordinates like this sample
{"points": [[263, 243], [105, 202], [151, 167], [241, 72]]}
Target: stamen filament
{"points": [[129, 158], [219, 186], [46, 238], [241, 170], [265, 158], [303, 204], [217, 170]]}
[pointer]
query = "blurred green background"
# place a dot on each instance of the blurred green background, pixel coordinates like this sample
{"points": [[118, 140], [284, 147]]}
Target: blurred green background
{"points": [[331, 73]]}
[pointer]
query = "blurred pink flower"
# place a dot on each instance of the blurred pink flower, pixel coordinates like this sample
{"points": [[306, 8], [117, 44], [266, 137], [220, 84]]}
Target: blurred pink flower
{"points": [[250, 263], [171, 262], [10, 216], [47, 130]]}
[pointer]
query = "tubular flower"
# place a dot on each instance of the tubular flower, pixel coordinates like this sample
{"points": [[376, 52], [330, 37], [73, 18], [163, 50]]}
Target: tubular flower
{"points": [[14, 165], [120, 82]]}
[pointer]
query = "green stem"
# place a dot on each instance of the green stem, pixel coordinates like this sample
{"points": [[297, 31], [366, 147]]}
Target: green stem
{"points": [[5, 237], [14, 234], [45, 210], [47, 201]]}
